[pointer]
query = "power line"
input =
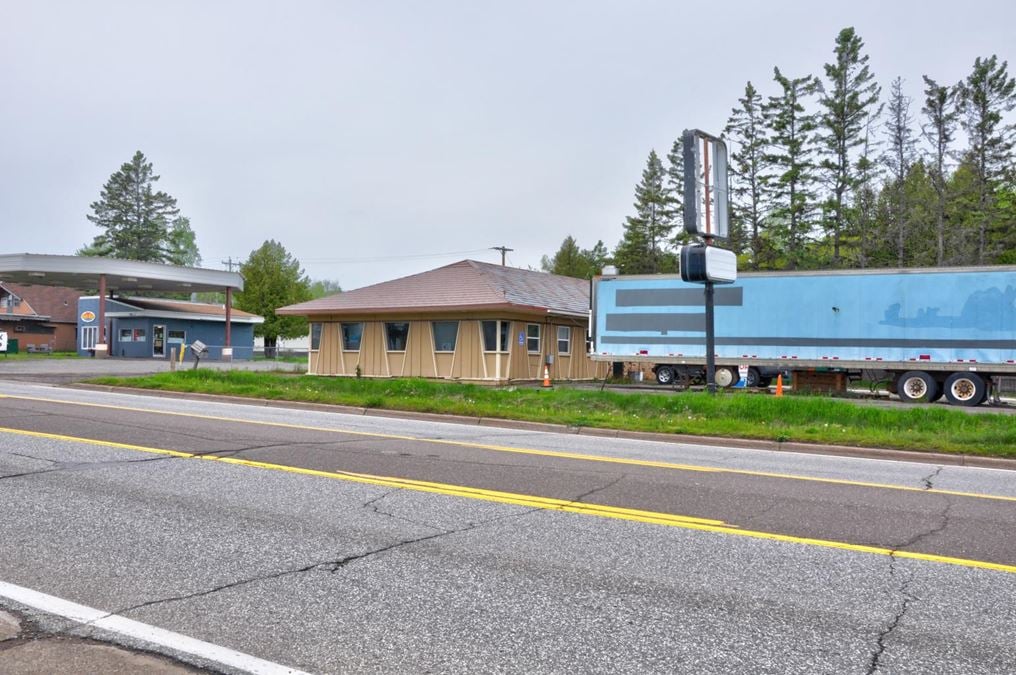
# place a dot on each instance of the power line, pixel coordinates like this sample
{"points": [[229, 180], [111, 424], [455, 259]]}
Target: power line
{"points": [[417, 256]]}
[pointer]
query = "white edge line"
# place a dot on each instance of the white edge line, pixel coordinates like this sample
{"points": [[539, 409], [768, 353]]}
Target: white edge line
{"points": [[142, 631]]}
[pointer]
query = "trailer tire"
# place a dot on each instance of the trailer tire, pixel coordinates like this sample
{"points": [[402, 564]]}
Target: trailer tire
{"points": [[664, 374], [966, 389], [753, 379], [916, 386], [726, 377]]}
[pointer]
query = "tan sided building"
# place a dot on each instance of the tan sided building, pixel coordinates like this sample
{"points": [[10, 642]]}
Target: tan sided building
{"points": [[465, 321]]}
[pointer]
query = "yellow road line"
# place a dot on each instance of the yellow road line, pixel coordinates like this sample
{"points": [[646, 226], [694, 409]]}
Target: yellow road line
{"points": [[585, 457], [545, 503]]}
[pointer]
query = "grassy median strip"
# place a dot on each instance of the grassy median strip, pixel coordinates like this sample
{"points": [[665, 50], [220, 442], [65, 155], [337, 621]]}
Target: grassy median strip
{"points": [[733, 414]]}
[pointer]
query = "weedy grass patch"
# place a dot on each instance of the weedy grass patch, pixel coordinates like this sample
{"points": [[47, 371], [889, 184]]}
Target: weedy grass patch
{"points": [[731, 414]]}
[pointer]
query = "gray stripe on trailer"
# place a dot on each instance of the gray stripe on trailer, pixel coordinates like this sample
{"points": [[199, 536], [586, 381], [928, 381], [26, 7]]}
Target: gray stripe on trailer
{"points": [[657, 323], [807, 342], [677, 297]]}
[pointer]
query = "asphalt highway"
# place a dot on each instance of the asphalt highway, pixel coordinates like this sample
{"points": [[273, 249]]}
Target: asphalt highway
{"points": [[328, 542]]}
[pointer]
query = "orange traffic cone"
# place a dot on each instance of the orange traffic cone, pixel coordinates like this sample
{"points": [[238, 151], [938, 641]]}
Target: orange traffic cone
{"points": [[546, 376], [779, 384]]}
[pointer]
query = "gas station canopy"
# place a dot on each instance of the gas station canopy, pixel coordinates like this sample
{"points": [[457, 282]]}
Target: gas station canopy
{"points": [[83, 273]]}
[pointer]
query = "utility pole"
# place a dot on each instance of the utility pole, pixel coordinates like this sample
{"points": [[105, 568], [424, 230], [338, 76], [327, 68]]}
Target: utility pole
{"points": [[229, 263], [504, 250]]}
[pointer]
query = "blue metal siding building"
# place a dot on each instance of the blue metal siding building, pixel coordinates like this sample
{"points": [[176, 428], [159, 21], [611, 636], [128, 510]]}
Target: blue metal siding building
{"points": [[152, 328]]}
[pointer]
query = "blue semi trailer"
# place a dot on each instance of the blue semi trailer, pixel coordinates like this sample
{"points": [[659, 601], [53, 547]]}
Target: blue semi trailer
{"points": [[931, 332]]}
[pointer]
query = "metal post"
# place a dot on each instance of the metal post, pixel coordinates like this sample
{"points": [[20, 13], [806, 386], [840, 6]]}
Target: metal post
{"points": [[229, 315], [710, 331], [710, 341]]}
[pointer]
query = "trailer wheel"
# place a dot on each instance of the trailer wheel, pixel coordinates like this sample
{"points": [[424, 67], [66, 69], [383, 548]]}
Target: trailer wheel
{"points": [[917, 386], [726, 377], [664, 374], [754, 379], [967, 389]]}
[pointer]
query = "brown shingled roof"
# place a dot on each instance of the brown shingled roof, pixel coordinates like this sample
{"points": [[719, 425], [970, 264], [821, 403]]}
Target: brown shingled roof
{"points": [[467, 284]]}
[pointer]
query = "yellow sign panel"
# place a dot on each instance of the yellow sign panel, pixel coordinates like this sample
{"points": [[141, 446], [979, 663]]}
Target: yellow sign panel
{"points": [[88, 316]]}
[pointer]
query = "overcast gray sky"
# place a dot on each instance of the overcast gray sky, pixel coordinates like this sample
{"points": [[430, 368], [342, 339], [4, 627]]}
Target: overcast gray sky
{"points": [[378, 139]]}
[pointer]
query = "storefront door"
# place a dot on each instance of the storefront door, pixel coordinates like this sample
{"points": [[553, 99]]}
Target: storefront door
{"points": [[159, 341]]}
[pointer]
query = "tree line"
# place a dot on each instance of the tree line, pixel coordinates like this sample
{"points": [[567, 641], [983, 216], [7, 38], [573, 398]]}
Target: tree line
{"points": [[827, 172]]}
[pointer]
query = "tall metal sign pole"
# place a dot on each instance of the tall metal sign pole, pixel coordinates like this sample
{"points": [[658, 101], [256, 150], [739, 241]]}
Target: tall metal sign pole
{"points": [[706, 215]]}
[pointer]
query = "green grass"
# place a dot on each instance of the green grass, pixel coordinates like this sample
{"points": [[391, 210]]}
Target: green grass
{"points": [[728, 414]]}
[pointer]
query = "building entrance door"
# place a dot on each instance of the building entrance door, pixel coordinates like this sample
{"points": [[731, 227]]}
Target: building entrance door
{"points": [[159, 341]]}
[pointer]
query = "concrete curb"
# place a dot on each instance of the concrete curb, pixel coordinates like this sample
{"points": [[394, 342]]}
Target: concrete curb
{"points": [[684, 439]]}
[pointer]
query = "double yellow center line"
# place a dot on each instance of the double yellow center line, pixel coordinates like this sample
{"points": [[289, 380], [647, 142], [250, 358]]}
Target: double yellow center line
{"points": [[528, 501]]}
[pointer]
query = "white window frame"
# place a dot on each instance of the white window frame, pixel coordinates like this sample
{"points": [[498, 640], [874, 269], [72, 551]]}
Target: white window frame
{"points": [[89, 337], [566, 340], [531, 338], [502, 336]]}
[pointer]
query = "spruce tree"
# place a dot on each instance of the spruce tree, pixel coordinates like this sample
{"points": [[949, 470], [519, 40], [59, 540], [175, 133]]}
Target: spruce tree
{"points": [[850, 98], [747, 129], [866, 196], [987, 94], [568, 261], [134, 217], [674, 190], [899, 157], [790, 151], [939, 129], [643, 247]]}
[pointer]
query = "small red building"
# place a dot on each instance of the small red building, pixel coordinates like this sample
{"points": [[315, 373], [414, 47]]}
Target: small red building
{"points": [[40, 318]]}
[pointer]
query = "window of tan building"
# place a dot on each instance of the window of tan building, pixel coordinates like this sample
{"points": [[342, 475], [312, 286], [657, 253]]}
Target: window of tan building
{"points": [[397, 334], [492, 330], [445, 334], [315, 336], [564, 339], [351, 334], [533, 338]]}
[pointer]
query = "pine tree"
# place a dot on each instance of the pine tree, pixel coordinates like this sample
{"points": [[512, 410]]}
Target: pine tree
{"points": [[568, 261], [673, 187], [571, 261], [986, 94], [746, 128], [791, 132], [868, 172], [939, 130], [850, 99], [899, 158], [135, 218], [643, 247]]}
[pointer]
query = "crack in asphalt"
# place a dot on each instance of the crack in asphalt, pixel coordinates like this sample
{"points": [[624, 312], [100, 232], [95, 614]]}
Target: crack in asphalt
{"points": [[334, 566], [904, 587], [331, 567], [874, 662], [82, 466], [930, 477], [372, 504]]}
